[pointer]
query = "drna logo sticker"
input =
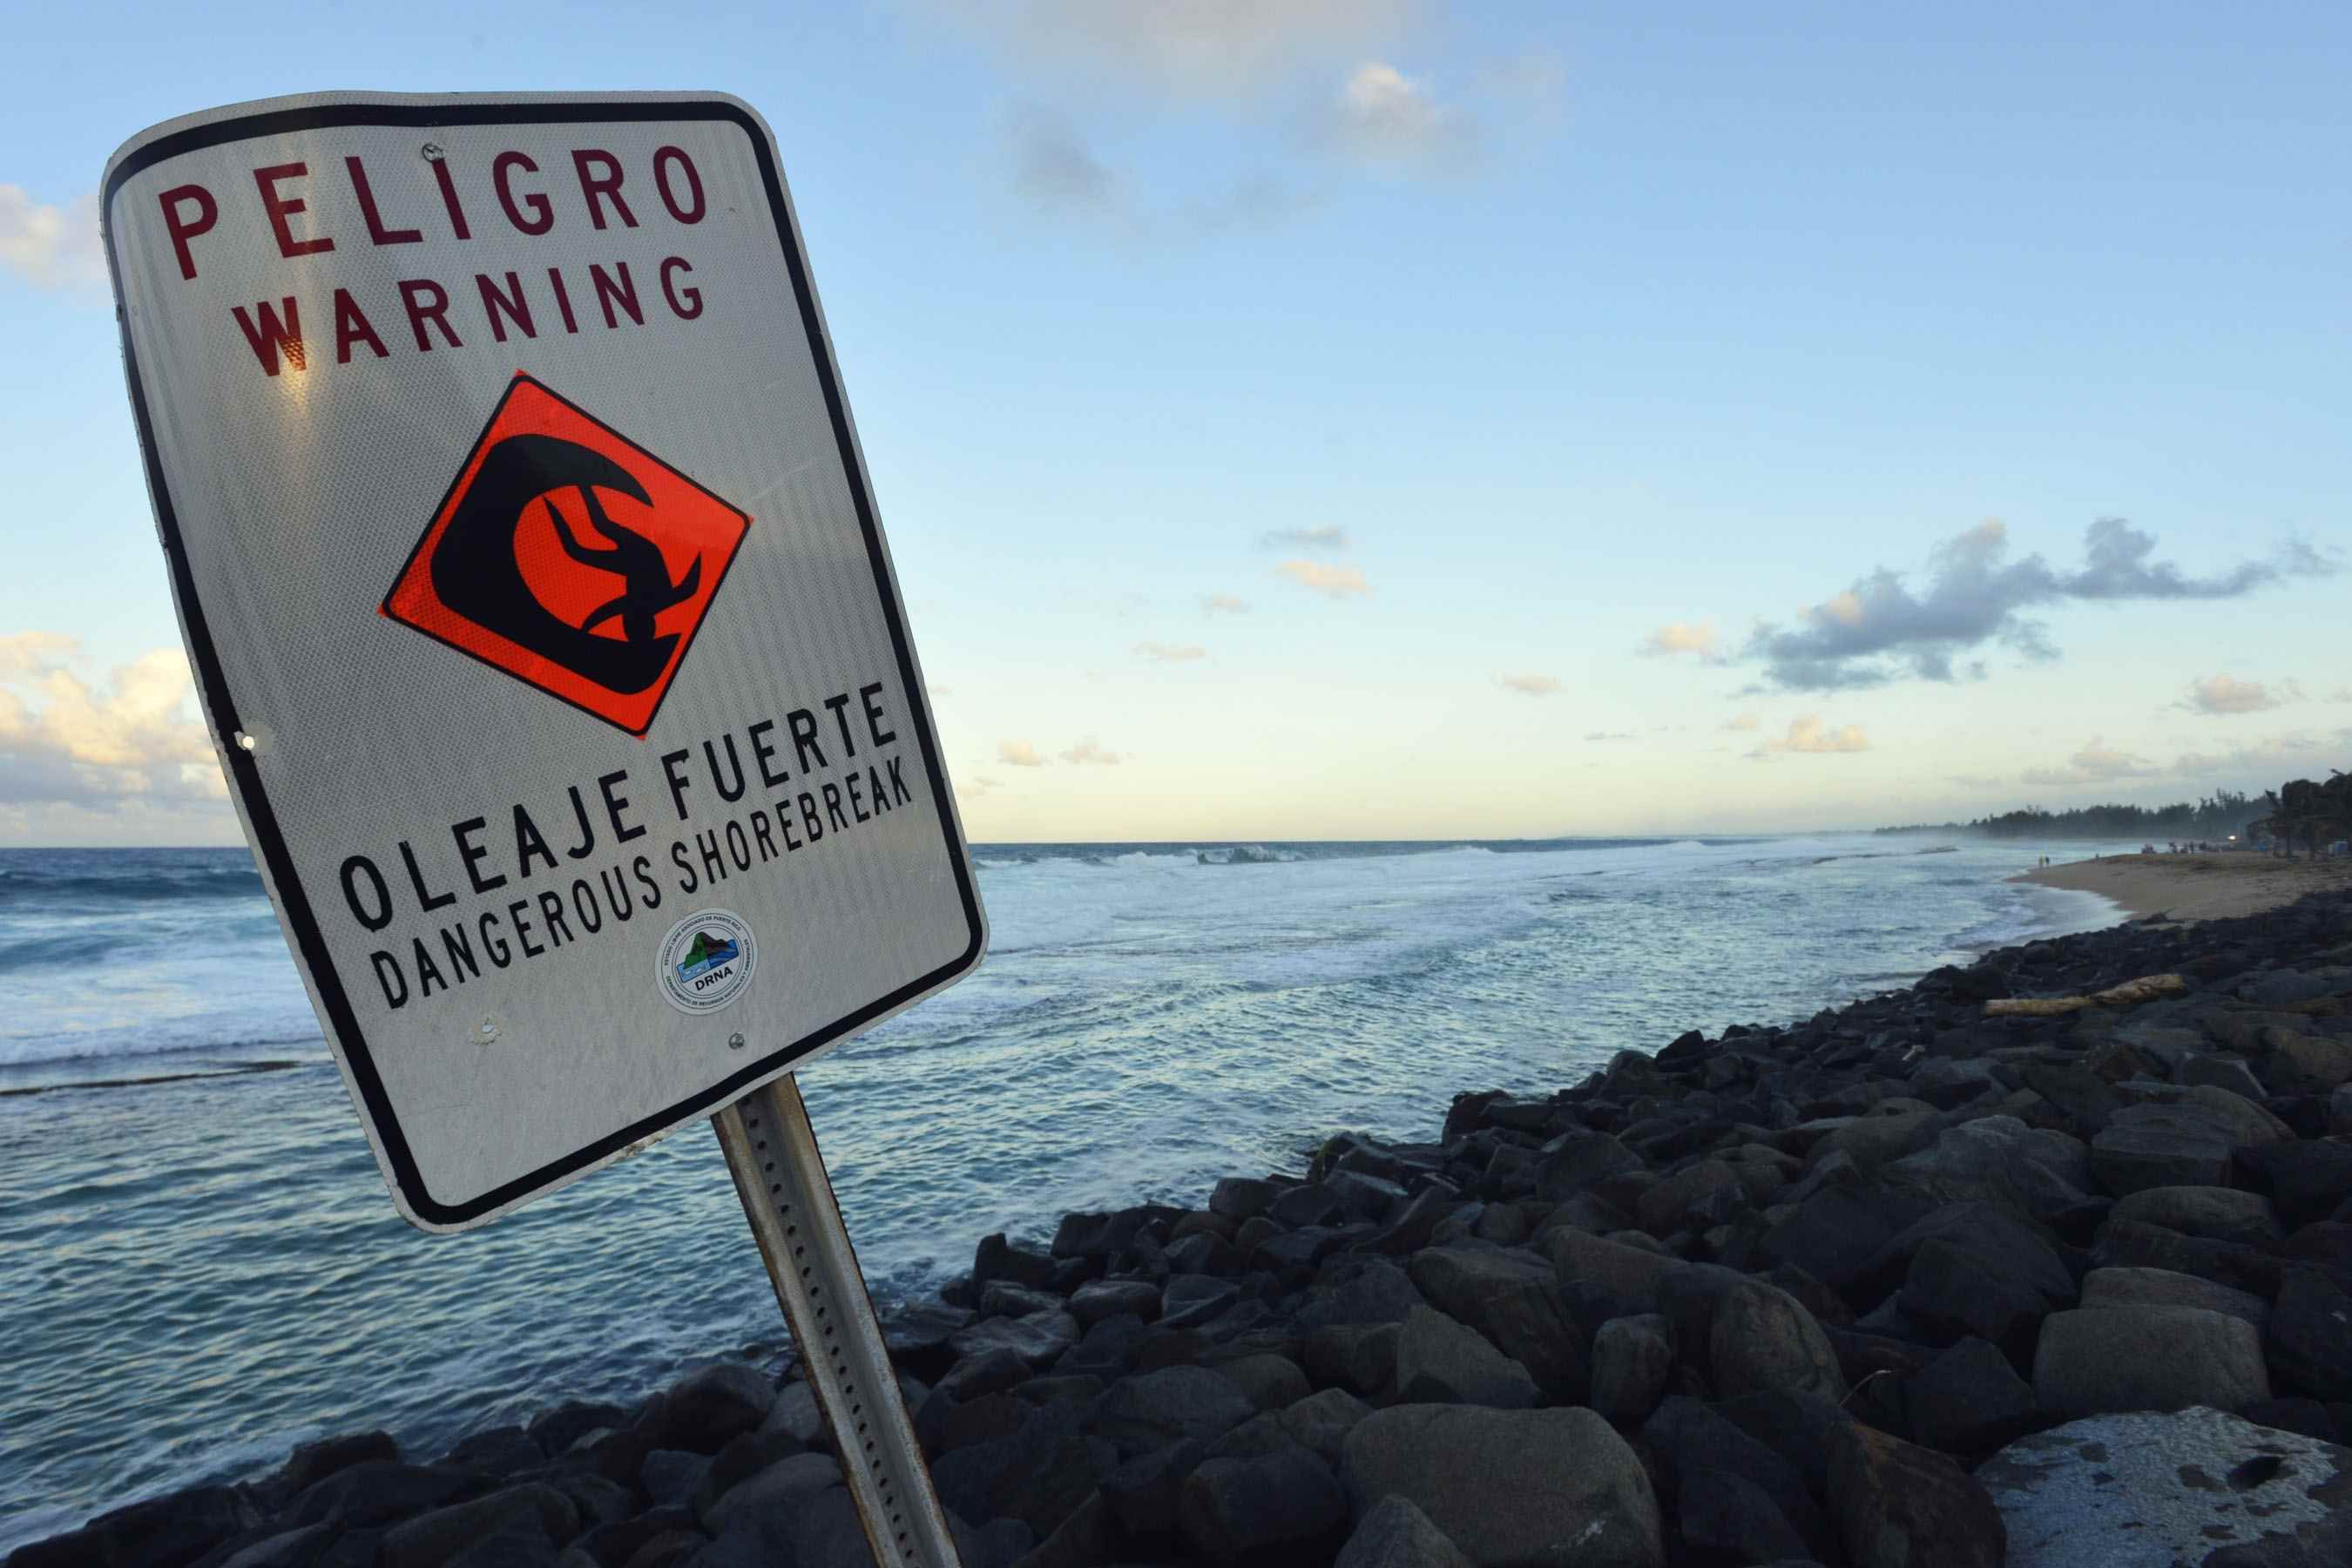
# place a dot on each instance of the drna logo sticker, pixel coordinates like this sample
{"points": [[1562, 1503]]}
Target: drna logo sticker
{"points": [[706, 961]]}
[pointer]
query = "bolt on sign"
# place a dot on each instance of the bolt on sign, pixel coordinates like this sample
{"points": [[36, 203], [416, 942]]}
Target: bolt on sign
{"points": [[539, 608]]}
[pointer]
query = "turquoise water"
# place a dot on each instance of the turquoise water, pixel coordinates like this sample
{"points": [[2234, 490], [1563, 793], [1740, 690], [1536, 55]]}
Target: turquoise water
{"points": [[196, 1274]]}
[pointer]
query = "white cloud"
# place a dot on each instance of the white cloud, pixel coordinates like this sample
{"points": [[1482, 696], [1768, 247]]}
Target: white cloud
{"points": [[49, 247], [2271, 760], [1328, 537], [1682, 636], [1976, 594], [1165, 653], [1224, 605], [1611, 735], [1529, 685], [2226, 694], [1335, 582], [130, 744], [1087, 752], [1739, 721], [1019, 755], [2341, 694], [2095, 762], [1381, 117], [1190, 48], [1809, 734]]}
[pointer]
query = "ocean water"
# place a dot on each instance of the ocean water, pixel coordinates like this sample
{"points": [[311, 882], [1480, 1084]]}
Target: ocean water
{"points": [[199, 1265]]}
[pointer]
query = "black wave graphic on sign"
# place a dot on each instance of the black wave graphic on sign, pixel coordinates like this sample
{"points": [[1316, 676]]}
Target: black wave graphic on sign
{"points": [[474, 572]]}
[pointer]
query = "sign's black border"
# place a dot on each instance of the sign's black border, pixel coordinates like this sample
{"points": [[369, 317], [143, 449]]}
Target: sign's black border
{"points": [[521, 379], [212, 683]]}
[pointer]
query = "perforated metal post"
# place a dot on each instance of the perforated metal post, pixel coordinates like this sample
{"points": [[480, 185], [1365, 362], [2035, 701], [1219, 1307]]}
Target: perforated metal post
{"points": [[780, 1175]]}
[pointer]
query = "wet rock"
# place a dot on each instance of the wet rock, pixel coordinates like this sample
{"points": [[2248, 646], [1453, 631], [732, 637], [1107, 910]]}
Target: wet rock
{"points": [[1442, 1361], [1764, 1339], [1691, 1193], [1037, 1339], [165, 1530], [1099, 1299], [286, 1549], [1268, 1382], [1360, 1290], [671, 1477], [1688, 1438], [1396, 1534], [2301, 1063], [996, 1259], [988, 1372], [2147, 1358], [1969, 1400], [1631, 1360], [1192, 1300], [1511, 1487], [517, 1542], [2125, 1244], [431, 1540], [1151, 1411], [1627, 1278], [777, 1489], [1898, 1505], [1513, 1300], [1143, 1492], [1107, 1350], [1238, 1508], [1358, 1357], [1320, 1422], [379, 1491], [1998, 1160], [1576, 1161], [2305, 1417], [1040, 1474], [2310, 1338], [2199, 1487], [1366, 1196], [2158, 1146], [2216, 1213], [2116, 1286], [702, 1411], [2326, 1246], [1003, 1299], [1987, 1277], [1415, 1225], [1796, 1429], [1725, 1519], [2306, 1179], [2221, 1072]]}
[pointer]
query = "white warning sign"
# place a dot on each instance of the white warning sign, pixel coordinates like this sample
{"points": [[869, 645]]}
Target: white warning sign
{"points": [[539, 607]]}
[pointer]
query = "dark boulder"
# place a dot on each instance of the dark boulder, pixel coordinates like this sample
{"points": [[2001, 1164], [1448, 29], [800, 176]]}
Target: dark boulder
{"points": [[1898, 1505], [1238, 1509]]}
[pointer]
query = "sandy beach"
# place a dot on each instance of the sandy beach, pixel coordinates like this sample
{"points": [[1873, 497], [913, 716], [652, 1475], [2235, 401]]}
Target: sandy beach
{"points": [[2194, 887]]}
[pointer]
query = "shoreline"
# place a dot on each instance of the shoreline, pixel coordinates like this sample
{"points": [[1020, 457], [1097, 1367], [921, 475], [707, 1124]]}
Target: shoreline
{"points": [[1860, 1245], [2193, 887]]}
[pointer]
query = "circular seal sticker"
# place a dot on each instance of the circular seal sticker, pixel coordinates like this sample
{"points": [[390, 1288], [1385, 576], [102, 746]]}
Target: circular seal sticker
{"points": [[706, 961]]}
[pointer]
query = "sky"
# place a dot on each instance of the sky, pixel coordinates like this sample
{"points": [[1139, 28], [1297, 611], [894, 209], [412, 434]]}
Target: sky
{"points": [[1363, 418]]}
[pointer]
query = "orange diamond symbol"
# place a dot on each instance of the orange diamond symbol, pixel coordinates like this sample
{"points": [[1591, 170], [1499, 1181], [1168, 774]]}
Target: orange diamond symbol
{"points": [[570, 557]]}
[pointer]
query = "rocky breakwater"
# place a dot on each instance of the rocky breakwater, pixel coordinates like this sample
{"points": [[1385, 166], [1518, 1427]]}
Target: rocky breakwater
{"points": [[1904, 1286]]}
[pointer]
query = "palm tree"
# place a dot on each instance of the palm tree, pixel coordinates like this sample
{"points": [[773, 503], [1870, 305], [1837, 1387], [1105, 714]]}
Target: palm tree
{"points": [[2300, 809]]}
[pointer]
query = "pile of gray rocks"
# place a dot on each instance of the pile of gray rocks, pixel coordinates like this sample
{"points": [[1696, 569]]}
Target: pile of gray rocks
{"points": [[1902, 1285]]}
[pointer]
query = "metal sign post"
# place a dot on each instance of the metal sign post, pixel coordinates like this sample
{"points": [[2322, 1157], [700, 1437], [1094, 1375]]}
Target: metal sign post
{"points": [[780, 1175]]}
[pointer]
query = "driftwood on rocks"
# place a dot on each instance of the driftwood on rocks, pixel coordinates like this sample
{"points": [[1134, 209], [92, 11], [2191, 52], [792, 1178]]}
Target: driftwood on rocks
{"points": [[2130, 993]]}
